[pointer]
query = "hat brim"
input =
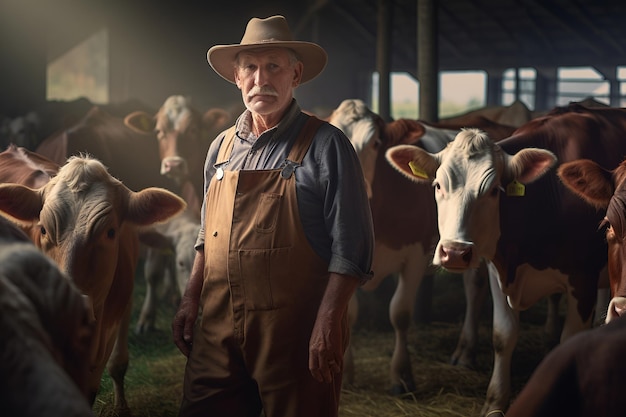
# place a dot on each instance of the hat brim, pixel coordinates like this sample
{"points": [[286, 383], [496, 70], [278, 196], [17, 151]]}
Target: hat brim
{"points": [[222, 57]]}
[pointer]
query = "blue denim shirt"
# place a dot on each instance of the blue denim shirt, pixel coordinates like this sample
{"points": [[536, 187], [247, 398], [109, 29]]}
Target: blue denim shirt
{"points": [[330, 189]]}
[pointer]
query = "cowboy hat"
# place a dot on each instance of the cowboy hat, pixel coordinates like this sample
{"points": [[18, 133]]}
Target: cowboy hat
{"points": [[265, 33]]}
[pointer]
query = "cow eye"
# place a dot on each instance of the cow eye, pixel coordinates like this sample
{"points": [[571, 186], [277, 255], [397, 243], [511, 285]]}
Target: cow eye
{"points": [[111, 233], [43, 230]]}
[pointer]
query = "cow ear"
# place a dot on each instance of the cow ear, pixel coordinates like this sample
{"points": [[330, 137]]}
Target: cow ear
{"points": [[140, 122], [413, 162], [214, 121], [530, 164], [588, 180], [20, 202], [155, 239], [153, 205]]}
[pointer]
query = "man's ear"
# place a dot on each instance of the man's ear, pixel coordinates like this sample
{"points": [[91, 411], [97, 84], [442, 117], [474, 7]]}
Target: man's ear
{"points": [[297, 73]]}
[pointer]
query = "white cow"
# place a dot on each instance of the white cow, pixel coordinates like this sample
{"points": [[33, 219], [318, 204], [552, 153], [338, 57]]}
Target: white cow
{"points": [[169, 259]]}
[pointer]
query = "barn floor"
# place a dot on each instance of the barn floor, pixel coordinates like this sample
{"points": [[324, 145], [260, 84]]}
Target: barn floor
{"points": [[154, 378]]}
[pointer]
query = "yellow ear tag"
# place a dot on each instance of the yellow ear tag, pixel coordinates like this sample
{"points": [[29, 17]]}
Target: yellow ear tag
{"points": [[417, 171], [145, 123], [515, 189]]}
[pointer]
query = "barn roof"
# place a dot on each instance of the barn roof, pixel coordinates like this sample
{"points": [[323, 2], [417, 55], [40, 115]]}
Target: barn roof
{"points": [[167, 40], [480, 34]]}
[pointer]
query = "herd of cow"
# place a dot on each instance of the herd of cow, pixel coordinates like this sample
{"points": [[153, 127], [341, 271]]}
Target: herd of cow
{"points": [[537, 199]]}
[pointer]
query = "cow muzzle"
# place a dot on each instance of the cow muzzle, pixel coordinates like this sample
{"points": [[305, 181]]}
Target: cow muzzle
{"points": [[175, 167], [455, 256], [617, 308]]}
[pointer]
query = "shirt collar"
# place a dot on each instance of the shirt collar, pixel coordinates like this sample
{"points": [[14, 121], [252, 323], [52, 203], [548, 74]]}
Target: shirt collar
{"points": [[244, 123]]}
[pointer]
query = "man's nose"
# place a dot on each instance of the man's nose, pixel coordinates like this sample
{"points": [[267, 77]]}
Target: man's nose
{"points": [[261, 77]]}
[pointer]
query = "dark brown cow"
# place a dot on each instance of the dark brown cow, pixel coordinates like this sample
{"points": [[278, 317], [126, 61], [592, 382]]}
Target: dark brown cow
{"points": [[605, 190], [404, 215], [583, 377], [540, 238], [86, 221], [46, 327]]}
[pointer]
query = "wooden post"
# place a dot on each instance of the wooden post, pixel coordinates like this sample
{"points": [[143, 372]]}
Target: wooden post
{"points": [[428, 60], [383, 58]]}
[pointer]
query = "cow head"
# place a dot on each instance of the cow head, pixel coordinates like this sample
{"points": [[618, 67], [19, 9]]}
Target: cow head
{"points": [[86, 220], [363, 128], [468, 176], [183, 135], [605, 190]]}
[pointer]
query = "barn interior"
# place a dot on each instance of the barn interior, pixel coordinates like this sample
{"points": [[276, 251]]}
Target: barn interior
{"points": [[156, 48]]}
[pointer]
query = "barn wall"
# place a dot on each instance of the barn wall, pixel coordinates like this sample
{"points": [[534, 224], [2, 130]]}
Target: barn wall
{"points": [[23, 56], [162, 52]]}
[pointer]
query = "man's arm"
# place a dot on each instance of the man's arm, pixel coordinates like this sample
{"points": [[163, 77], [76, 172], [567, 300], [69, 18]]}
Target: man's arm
{"points": [[185, 318], [326, 347]]}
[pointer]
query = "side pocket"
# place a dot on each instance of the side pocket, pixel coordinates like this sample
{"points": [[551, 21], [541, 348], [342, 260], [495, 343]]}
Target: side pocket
{"points": [[267, 211], [265, 277]]}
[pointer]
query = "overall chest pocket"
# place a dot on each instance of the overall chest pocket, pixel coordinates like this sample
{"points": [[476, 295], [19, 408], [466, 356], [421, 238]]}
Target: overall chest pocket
{"points": [[267, 211], [267, 278]]}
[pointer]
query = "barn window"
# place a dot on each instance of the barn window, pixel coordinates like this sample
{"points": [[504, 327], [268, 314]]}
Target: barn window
{"points": [[459, 92], [82, 71], [519, 84], [579, 83], [621, 78]]}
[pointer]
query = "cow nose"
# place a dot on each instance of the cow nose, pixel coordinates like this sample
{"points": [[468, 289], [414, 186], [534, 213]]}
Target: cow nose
{"points": [[174, 166], [455, 257], [617, 308]]}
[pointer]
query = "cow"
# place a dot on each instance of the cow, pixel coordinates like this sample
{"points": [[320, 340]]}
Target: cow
{"points": [[87, 221], [46, 326], [583, 377], [174, 243], [504, 203], [516, 114], [183, 135], [404, 241], [604, 190]]}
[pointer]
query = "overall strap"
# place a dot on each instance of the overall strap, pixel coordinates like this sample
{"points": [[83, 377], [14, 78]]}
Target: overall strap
{"points": [[305, 137], [227, 146]]}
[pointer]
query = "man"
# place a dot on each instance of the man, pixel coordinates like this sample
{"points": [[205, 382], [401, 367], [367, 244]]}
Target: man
{"points": [[286, 239]]}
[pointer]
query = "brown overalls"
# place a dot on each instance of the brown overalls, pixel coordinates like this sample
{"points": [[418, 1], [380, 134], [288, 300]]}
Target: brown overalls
{"points": [[263, 284]]}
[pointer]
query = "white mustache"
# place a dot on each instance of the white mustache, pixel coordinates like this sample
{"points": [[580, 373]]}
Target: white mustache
{"points": [[262, 91]]}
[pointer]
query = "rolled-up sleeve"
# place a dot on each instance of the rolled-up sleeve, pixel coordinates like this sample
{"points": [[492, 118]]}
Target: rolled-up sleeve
{"points": [[347, 213]]}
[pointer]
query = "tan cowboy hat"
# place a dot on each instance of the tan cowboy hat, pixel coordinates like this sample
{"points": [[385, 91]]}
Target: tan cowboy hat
{"points": [[264, 33]]}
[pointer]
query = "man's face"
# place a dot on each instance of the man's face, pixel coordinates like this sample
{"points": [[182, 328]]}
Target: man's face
{"points": [[266, 78]]}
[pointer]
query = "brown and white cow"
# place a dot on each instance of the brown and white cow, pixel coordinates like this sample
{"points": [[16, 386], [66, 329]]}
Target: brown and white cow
{"points": [[173, 241], [87, 221], [46, 327], [539, 237], [404, 215], [183, 135]]}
